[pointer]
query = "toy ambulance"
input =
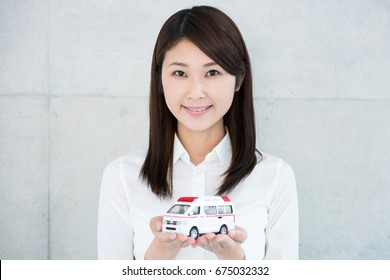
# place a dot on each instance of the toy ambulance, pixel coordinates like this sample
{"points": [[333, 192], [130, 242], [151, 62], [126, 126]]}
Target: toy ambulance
{"points": [[194, 216]]}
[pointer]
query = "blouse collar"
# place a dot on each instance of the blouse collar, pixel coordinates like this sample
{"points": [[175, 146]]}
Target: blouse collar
{"points": [[223, 151]]}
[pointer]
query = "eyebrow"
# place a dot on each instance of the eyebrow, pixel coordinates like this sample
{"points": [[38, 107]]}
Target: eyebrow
{"points": [[186, 65]]}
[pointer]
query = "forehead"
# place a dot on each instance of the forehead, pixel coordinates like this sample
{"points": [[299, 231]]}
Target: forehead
{"points": [[186, 52]]}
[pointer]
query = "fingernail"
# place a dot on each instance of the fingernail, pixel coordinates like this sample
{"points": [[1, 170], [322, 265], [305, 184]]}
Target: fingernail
{"points": [[233, 232]]}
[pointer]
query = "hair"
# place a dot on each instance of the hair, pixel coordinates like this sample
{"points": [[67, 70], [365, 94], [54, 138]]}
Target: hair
{"points": [[218, 37]]}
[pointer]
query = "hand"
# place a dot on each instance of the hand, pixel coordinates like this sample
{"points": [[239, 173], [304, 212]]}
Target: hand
{"points": [[166, 245], [225, 246]]}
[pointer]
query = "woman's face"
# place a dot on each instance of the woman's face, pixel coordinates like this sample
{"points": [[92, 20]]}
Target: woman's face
{"points": [[197, 91]]}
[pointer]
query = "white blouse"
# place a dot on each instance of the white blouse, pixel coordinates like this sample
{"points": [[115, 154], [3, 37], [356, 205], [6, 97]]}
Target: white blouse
{"points": [[265, 203]]}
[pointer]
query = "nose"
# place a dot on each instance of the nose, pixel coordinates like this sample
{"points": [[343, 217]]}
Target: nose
{"points": [[196, 90]]}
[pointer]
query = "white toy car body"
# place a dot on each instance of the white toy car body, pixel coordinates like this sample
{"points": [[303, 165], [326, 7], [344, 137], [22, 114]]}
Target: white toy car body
{"points": [[194, 216]]}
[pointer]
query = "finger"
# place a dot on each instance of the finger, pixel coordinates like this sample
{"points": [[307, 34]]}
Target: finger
{"points": [[206, 240], [188, 242], [156, 224], [234, 237], [156, 227], [203, 240], [185, 240], [166, 237], [225, 241], [238, 234], [181, 240], [228, 248], [215, 246]]}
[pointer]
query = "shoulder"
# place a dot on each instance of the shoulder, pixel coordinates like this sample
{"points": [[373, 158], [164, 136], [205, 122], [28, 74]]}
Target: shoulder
{"points": [[130, 163], [273, 164], [274, 173], [283, 181], [269, 172]]}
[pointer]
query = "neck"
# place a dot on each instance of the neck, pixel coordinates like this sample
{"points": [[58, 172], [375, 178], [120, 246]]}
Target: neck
{"points": [[199, 144]]}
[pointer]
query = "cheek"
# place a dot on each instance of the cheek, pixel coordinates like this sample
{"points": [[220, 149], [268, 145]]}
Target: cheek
{"points": [[226, 102], [171, 94], [171, 85], [225, 92]]}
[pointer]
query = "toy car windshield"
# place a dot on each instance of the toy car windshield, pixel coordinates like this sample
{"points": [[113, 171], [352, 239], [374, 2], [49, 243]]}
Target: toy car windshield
{"points": [[178, 209]]}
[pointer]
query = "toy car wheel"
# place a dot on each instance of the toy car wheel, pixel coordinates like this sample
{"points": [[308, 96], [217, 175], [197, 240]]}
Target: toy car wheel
{"points": [[194, 233], [223, 230]]}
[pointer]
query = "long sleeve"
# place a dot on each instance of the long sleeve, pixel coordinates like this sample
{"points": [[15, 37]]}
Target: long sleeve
{"points": [[115, 234], [282, 231]]}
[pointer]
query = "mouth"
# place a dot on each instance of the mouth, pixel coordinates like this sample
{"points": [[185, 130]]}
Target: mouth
{"points": [[197, 110]]}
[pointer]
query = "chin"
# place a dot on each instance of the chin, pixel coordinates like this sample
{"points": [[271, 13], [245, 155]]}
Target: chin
{"points": [[200, 128]]}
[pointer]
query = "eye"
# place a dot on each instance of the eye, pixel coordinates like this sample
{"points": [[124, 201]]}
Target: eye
{"points": [[212, 73], [179, 74]]}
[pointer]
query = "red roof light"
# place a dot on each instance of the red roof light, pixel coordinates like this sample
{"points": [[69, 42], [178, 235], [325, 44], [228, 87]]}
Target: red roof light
{"points": [[187, 199]]}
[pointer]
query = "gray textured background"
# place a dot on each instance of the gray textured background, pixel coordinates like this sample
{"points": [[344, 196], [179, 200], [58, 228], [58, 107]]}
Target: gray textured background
{"points": [[74, 79]]}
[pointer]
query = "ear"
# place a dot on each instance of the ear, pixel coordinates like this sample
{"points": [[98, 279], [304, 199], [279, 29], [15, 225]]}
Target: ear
{"points": [[239, 80]]}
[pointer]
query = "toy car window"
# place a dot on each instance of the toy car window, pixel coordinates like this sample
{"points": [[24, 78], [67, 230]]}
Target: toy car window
{"points": [[225, 209], [229, 209], [178, 209], [210, 210], [196, 210]]}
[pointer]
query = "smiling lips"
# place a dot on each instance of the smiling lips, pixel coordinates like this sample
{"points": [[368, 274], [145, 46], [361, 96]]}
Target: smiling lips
{"points": [[198, 110]]}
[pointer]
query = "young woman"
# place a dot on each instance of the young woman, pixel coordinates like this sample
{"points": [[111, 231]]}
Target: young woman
{"points": [[202, 142]]}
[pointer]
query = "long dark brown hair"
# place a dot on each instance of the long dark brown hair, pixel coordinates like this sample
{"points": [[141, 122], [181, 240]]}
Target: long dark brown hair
{"points": [[218, 37]]}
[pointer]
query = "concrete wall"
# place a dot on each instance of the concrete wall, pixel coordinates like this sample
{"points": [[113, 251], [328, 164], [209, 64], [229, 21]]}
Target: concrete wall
{"points": [[74, 78]]}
